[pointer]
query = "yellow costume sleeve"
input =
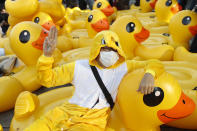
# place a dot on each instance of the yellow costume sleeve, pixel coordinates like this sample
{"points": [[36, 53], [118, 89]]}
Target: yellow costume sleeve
{"points": [[155, 67], [49, 77]]}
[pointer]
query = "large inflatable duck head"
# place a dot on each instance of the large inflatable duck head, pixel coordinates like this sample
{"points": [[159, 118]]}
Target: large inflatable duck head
{"points": [[104, 6], [165, 9], [165, 104], [131, 33], [183, 26], [96, 22], [44, 20], [26, 40], [21, 8], [147, 5], [106, 41]]}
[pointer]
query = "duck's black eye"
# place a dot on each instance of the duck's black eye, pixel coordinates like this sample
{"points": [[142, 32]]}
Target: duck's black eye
{"points": [[168, 2], [117, 43], [186, 20], [99, 5], [155, 98], [130, 27], [103, 41], [24, 36], [147, 0], [90, 18], [195, 88], [36, 20]]}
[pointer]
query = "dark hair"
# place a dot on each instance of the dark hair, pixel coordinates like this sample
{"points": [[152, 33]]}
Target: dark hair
{"points": [[2, 6]]}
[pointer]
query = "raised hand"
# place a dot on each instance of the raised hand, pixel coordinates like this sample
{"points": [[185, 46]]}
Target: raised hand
{"points": [[147, 84], [50, 42]]}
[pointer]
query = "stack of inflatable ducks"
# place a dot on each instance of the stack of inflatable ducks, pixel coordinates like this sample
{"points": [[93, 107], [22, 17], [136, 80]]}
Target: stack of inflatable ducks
{"points": [[157, 29]]}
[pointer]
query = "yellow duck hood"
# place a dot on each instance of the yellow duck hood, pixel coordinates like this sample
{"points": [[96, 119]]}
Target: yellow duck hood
{"points": [[106, 39]]}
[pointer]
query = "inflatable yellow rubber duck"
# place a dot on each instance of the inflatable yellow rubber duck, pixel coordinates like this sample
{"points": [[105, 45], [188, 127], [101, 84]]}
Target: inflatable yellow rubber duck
{"points": [[44, 20], [26, 40], [76, 18], [185, 22], [1, 128], [106, 8], [185, 73], [166, 104], [165, 9], [158, 21], [96, 21], [52, 7], [21, 8], [147, 5], [162, 106], [132, 33]]}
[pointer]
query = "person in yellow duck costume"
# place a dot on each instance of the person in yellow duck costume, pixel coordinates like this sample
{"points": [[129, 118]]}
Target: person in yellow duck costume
{"points": [[107, 58], [132, 33], [167, 96]]}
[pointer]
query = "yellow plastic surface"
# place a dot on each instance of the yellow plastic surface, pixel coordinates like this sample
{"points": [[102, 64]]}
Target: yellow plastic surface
{"points": [[21, 8]]}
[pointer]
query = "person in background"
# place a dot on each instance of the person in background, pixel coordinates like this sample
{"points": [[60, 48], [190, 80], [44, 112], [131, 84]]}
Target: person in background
{"points": [[3, 20]]}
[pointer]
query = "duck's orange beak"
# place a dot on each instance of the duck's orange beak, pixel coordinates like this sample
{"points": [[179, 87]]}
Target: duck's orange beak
{"points": [[152, 4], [175, 9], [48, 25], [193, 30], [101, 25], [183, 108], [142, 36], [38, 44], [108, 11]]}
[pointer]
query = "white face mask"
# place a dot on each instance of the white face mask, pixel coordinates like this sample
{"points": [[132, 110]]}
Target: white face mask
{"points": [[108, 58]]}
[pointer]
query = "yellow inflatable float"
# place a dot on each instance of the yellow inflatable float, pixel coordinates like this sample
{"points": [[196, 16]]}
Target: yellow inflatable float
{"points": [[44, 20], [106, 8], [96, 21], [26, 41], [185, 72], [166, 104], [132, 33]]}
